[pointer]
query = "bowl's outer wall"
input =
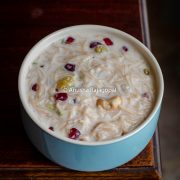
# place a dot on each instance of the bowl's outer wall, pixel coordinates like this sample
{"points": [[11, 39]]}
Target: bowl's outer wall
{"points": [[89, 158]]}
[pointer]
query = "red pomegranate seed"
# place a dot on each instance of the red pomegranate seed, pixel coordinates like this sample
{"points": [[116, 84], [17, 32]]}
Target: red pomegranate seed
{"points": [[69, 40], [145, 95], [70, 67], [61, 96], [108, 41], [125, 48], [74, 133], [51, 128], [94, 44], [35, 87]]}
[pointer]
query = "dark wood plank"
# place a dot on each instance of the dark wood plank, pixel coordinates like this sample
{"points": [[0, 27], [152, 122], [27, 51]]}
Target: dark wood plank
{"points": [[22, 25]]}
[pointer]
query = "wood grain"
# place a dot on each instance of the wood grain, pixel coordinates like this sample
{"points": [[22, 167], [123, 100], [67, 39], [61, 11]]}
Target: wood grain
{"points": [[22, 24]]}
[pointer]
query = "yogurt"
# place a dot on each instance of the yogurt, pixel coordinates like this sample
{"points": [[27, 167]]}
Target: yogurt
{"points": [[90, 87]]}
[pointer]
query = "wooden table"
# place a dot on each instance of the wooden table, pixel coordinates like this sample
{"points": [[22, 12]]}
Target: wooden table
{"points": [[22, 24]]}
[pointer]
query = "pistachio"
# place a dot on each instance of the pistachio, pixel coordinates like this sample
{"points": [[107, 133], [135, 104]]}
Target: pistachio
{"points": [[100, 48], [60, 113], [146, 72], [51, 106], [63, 41], [65, 82]]}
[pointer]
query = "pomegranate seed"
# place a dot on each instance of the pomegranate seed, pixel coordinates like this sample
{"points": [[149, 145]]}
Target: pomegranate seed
{"points": [[51, 128], [69, 40], [35, 87], [125, 48], [70, 67], [94, 44], [108, 41], [74, 133], [145, 95], [61, 96]]}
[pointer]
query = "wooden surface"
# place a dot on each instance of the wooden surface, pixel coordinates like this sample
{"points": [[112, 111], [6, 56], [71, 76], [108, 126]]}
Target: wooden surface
{"points": [[22, 24]]}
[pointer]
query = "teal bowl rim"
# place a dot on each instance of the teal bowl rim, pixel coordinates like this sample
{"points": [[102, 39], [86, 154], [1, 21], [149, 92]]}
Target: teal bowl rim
{"points": [[159, 80]]}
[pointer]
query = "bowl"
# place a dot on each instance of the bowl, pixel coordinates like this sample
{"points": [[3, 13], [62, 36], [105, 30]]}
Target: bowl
{"points": [[89, 156]]}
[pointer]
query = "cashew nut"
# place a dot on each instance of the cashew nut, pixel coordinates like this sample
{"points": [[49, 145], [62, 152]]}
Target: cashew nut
{"points": [[104, 104], [110, 104], [115, 102]]}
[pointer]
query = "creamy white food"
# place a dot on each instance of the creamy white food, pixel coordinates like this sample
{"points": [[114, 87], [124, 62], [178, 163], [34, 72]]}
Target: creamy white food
{"points": [[67, 81]]}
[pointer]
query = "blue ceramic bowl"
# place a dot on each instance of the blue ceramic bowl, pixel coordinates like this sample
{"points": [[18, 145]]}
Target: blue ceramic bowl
{"points": [[89, 156]]}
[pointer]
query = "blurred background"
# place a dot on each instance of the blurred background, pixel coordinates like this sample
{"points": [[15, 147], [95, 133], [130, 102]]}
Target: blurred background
{"points": [[164, 24]]}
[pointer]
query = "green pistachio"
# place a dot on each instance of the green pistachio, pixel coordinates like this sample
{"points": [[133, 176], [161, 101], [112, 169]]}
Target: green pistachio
{"points": [[65, 82], [100, 48], [63, 41], [146, 72], [60, 113], [51, 107]]}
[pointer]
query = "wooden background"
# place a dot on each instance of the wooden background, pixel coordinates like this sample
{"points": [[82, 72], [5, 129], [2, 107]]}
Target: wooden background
{"points": [[22, 24]]}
